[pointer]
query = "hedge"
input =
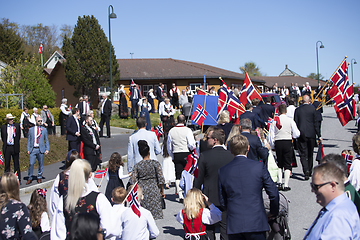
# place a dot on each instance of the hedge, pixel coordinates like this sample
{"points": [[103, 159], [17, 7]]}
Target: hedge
{"points": [[17, 114]]}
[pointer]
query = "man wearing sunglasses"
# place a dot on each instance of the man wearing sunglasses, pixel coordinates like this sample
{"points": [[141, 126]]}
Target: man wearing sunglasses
{"points": [[338, 219], [37, 147]]}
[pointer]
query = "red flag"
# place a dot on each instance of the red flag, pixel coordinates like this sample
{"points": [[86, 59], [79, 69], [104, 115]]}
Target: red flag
{"points": [[192, 164], [228, 101], [70, 107], [248, 91], [133, 201], [1, 159], [158, 130], [41, 48], [269, 122], [100, 173], [199, 115]]}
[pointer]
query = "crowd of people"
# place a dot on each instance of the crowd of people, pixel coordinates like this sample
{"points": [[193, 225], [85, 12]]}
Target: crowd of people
{"points": [[220, 178]]}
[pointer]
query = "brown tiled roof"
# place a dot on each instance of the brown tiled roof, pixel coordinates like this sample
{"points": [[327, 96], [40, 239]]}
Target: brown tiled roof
{"points": [[168, 68], [280, 80]]}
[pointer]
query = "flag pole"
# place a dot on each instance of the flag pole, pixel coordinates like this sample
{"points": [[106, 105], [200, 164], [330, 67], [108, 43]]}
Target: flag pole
{"points": [[329, 79], [101, 182], [129, 192], [202, 125], [321, 105]]}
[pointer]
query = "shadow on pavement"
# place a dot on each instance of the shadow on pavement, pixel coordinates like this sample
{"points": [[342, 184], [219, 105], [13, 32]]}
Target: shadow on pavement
{"points": [[298, 176], [173, 231]]}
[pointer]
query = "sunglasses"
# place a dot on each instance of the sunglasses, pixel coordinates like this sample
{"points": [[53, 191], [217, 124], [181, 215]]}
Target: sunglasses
{"points": [[39, 121], [207, 138], [316, 187]]}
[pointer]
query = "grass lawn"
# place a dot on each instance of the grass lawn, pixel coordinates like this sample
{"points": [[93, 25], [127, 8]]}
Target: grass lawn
{"points": [[130, 123], [58, 151]]}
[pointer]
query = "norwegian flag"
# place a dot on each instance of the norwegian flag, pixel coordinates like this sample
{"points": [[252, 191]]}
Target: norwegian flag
{"points": [[41, 48], [199, 115], [134, 204], [1, 159], [192, 164], [248, 91], [132, 82], [349, 158], [70, 108], [277, 119], [100, 173], [158, 130], [343, 94], [228, 101]]}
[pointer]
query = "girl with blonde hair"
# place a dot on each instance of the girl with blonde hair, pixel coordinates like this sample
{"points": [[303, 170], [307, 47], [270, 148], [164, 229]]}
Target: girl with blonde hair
{"points": [[224, 123], [79, 199], [194, 216]]}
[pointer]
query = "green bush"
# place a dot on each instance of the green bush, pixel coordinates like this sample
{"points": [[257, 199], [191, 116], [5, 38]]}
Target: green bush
{"points": [[17, 114]]}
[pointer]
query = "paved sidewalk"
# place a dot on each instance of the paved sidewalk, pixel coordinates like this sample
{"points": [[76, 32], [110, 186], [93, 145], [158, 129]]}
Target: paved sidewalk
{"points": [[108, 146]]}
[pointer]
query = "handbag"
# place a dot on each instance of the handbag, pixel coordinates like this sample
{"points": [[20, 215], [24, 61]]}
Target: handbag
{"points": [[162, 200]]}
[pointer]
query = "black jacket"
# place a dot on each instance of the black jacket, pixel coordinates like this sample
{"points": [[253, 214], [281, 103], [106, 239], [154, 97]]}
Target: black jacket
{"points": [[16, 139], [306, 121]]}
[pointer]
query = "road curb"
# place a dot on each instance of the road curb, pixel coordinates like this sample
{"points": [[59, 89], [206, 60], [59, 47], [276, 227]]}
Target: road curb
{"points": [[48, 184]]}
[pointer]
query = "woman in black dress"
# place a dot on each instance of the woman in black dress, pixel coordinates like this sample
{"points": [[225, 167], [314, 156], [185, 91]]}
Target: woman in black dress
{"points": [[25, 122], [166, 112], [123, 108]]}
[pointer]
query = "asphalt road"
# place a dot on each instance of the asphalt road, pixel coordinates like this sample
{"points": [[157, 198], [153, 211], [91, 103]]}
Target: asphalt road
{"points": [[302, 210]]}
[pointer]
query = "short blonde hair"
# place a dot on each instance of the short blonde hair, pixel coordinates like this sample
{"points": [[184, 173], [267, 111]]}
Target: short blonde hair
{"points": [[119, 195], [193, 202], [224, 117], [235, 130], [239, 145]]}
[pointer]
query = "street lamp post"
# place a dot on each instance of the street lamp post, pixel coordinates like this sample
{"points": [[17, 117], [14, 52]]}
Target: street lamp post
{"points": [[112, 15], [131, 55], [317, 58], [352, 70]]}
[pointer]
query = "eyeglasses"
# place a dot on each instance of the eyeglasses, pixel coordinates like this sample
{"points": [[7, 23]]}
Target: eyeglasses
{"points": [[207, 138], [103, 232], [39, 121], [316, 187]]}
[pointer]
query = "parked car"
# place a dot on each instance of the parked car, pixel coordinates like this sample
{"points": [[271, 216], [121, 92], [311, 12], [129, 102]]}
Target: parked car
{"points": [[276, 101]]}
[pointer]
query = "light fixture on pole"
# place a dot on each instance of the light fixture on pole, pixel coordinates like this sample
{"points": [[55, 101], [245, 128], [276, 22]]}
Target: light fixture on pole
{"points": [[317, 58], [112, 15], [131, 55], [352, 69]]}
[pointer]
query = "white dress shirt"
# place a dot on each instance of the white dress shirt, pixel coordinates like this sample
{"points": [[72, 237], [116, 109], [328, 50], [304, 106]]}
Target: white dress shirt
{"points": [[354, 173], [173, 143], [290, 111], [45, 222], [103, 207], [63, 108], [117, 210], [137, 228], [33, 118], [162, 107]]}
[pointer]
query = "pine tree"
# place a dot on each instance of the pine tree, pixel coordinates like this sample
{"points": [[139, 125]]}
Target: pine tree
{"points": [[11, 45], [87, 58]]}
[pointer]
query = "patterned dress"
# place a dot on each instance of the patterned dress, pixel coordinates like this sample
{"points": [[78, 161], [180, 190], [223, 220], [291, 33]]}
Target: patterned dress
{"points": [[15, 221], [144, 172]]}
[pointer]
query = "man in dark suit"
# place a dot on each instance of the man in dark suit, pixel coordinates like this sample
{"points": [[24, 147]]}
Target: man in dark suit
{"points": [[209, 164], [256, 152], [256, 108], [319, 112], [73, 130], [10, 136], [134, 99], [267, 110], [84, 107], [105, 116], [159, 93], [240, 192], [254, 117], [91, 141], [37, 147], [306, 121]]}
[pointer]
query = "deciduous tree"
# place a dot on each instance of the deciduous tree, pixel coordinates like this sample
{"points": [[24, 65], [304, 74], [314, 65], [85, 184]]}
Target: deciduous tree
{"points": [[315, 76], [251, 69]]}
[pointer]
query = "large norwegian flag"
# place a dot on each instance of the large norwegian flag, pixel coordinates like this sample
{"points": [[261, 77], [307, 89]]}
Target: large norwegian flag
{"points": [[199, 115], [228, 101], [132, 198], [343, 94], [41, 48], [248, 91]]}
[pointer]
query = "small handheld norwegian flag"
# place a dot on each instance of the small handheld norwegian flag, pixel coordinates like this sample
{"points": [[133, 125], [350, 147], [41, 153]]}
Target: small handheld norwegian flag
{"points": [[1, 159], [199, 115], [100, 173], [132, 198]]}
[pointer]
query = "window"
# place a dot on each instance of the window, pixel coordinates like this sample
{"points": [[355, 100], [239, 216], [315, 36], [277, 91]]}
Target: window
{"points": [[146, 89], [193, 86]]}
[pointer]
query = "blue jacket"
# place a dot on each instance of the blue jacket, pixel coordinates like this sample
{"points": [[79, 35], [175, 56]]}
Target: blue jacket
{"points": [[240, 192], [257, 151], [43, 141]]}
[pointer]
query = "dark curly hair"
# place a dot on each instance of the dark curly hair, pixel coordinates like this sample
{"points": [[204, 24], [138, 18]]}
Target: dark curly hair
{"points": [[144, 148], [36, 207], [115, 162]]}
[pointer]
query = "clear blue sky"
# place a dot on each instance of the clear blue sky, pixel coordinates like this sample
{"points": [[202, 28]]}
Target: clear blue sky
{"points": [[224, 34]]}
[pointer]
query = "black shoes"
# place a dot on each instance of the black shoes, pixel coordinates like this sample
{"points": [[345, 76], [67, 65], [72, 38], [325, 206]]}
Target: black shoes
{"points": [[307, 175], [285, 189], [280, 186]]}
